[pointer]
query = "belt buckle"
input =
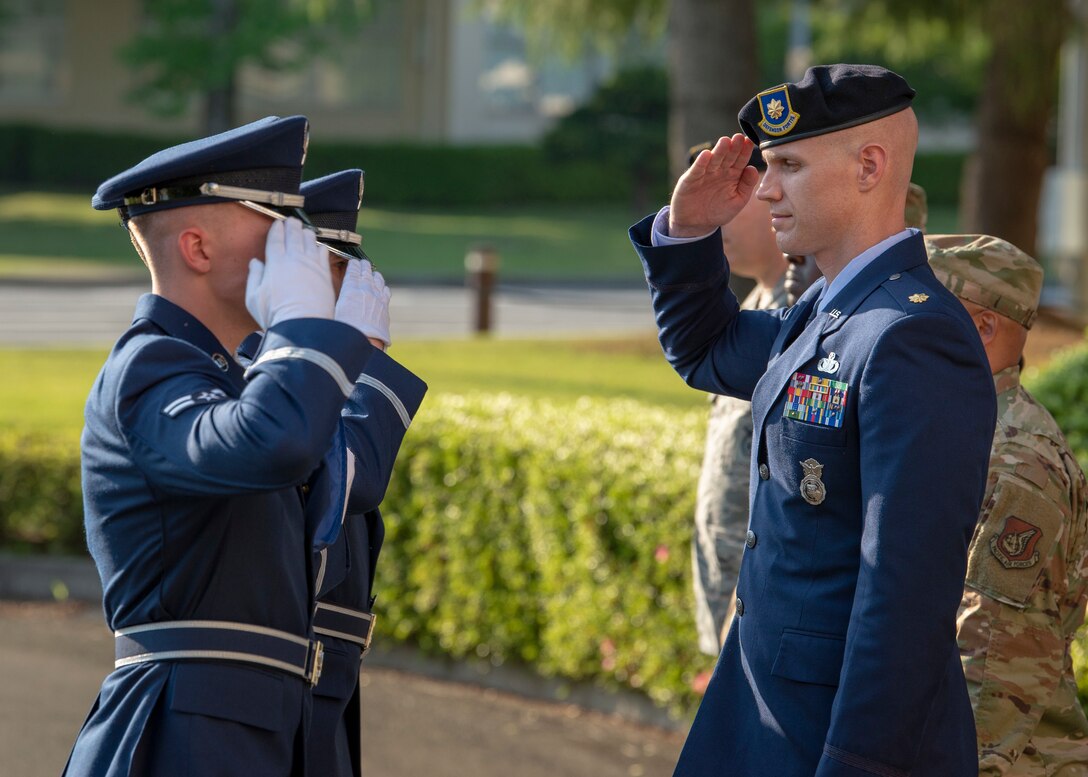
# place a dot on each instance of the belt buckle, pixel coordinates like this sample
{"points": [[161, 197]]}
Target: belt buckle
{"points": [[369, 634], [315, 661]]}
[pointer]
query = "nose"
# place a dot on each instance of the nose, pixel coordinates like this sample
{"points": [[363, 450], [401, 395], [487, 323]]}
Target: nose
{"points": [[768, 190]]}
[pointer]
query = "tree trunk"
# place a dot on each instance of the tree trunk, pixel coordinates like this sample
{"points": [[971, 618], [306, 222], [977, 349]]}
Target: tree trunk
{"points": [[713, 71], [1003, 182], [220, 96]]}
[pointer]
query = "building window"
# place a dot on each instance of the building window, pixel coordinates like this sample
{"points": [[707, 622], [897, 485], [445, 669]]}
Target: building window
{"points": [[31, 37]]}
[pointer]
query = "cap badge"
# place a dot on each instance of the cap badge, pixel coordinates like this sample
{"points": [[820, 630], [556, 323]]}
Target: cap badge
{"points": [[812, 487], [918, 297], [778, 115]]}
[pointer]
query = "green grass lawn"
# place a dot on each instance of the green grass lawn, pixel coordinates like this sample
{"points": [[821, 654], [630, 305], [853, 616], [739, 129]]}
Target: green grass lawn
{"points": [[44, 391], [53, 234]]}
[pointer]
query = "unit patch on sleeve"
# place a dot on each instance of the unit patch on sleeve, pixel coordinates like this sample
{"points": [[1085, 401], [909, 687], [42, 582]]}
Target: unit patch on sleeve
{"points": [[816, 400], [205, 397], [1014, 545]]}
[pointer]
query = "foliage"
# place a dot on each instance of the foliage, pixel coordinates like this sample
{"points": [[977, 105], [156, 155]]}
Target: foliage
{"points": [[41, 502], [1062, 387], [415, 174], [624, 125], [573, 26], [191, 47], [551, 533]]}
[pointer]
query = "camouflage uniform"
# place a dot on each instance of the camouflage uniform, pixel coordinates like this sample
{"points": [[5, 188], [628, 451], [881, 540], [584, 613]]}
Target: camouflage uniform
{"points": [[1026, 584], [721, 506], [1025, 596]]}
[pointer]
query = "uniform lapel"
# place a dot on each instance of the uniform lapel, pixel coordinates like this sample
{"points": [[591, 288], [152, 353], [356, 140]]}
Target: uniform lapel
{"points": [[780, 371]]}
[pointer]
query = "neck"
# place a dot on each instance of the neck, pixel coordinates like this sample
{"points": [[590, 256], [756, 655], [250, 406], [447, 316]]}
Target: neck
{"points": [[833, 261], [227, 327]]}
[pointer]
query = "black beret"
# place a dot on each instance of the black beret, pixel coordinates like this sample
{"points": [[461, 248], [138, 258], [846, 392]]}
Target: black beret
{"points": [[756, 160], [332, 205], [829, 98], [261, 161]]}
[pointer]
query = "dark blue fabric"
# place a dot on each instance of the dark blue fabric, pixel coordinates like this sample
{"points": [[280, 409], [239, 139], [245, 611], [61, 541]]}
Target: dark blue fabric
{"points": [[333, 200], [828, 98], [200, 515], [271, 142], [844, 661], [375, 431]]}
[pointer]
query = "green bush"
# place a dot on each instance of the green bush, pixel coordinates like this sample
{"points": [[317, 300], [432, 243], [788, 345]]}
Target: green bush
{"points": [[41, 503], [1062, 387], [397, 173], [550, 533]]}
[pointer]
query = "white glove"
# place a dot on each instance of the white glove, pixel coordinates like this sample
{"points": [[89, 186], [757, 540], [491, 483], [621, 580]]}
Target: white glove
{"points": [[293, 281], [364, 301]]}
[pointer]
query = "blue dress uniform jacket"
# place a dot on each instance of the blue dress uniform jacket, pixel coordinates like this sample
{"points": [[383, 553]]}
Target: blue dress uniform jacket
{"points": [[376, 418], [842, 659], [194, 476]]}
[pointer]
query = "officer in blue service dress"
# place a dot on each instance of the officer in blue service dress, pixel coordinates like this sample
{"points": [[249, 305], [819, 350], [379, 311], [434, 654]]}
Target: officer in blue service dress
{"points": [[386, 398], [206, 485], [872, 416]]}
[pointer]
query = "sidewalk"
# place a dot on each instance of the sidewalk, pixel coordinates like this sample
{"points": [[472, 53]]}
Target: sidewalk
{"points": [[55, 656], [95, 315]]}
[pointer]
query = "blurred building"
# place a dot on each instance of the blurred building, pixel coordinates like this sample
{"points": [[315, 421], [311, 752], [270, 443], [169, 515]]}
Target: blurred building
{"points": [[431, 70]]}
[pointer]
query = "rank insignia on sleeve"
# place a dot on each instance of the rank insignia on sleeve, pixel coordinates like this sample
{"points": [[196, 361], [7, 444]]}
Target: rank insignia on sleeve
{"points": [[812, 487], [205, 397], [815, 399], [1014, 545], [918, 297]]}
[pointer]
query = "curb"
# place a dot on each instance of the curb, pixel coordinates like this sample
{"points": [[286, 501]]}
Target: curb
{"points": [[60, 578]]}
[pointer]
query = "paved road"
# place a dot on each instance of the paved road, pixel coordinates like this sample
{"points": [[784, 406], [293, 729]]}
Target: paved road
{"points": [[55, 656], [95, 315]]}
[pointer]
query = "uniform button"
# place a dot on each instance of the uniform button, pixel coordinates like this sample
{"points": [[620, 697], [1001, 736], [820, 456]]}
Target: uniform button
{"points": [[740, 607], [750, 539], [895, 277], [306, 488], [764, 472]]}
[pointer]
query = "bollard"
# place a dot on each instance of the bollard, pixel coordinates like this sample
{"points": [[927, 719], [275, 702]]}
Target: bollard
{"points": [[481, 267]]}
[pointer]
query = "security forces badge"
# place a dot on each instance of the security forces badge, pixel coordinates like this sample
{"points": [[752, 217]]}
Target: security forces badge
{"points": [[778, 115]]}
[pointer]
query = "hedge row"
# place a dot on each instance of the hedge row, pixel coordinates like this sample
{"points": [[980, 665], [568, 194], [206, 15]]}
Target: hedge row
{"points": [[554, 534], [397, 173], [551, 533]]}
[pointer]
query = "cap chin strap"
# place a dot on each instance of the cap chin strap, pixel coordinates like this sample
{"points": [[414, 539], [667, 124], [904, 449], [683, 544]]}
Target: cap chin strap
{"points": [[340, 235], [154, 195]]}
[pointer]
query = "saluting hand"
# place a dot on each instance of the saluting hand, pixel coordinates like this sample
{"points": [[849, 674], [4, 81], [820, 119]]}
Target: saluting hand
{"points": [[364, 302], [294, 280], [714, 189]]}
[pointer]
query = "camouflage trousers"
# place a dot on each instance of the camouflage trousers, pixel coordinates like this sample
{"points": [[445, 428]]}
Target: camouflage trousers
{"points": [[721, 517]]}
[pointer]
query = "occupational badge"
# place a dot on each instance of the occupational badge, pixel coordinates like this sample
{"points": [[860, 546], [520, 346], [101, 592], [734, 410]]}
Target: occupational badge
{"points": [[812, 488], [918, 297], [815, 399], [828, 364], [1014, 545], [778, 115]]}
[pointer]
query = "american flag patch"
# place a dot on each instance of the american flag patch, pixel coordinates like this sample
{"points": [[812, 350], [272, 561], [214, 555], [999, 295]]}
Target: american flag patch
{"points": [[816, 400]]}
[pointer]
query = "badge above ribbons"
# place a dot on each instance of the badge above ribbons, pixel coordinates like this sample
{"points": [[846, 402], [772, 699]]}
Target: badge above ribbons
{"points": [[778, 115]]}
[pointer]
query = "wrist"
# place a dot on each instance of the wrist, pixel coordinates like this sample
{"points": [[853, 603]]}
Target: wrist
{"points": [[677, 229]]}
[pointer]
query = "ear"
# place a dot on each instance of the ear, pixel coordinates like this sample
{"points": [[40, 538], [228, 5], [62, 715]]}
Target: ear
{"points": [[986, 322], [193, 247], [872, 162]]}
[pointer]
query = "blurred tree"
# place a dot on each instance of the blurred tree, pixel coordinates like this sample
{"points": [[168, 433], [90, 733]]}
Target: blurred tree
{"points": [[712, 52], [1001, 56], [623, 125], [195, 48]]}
